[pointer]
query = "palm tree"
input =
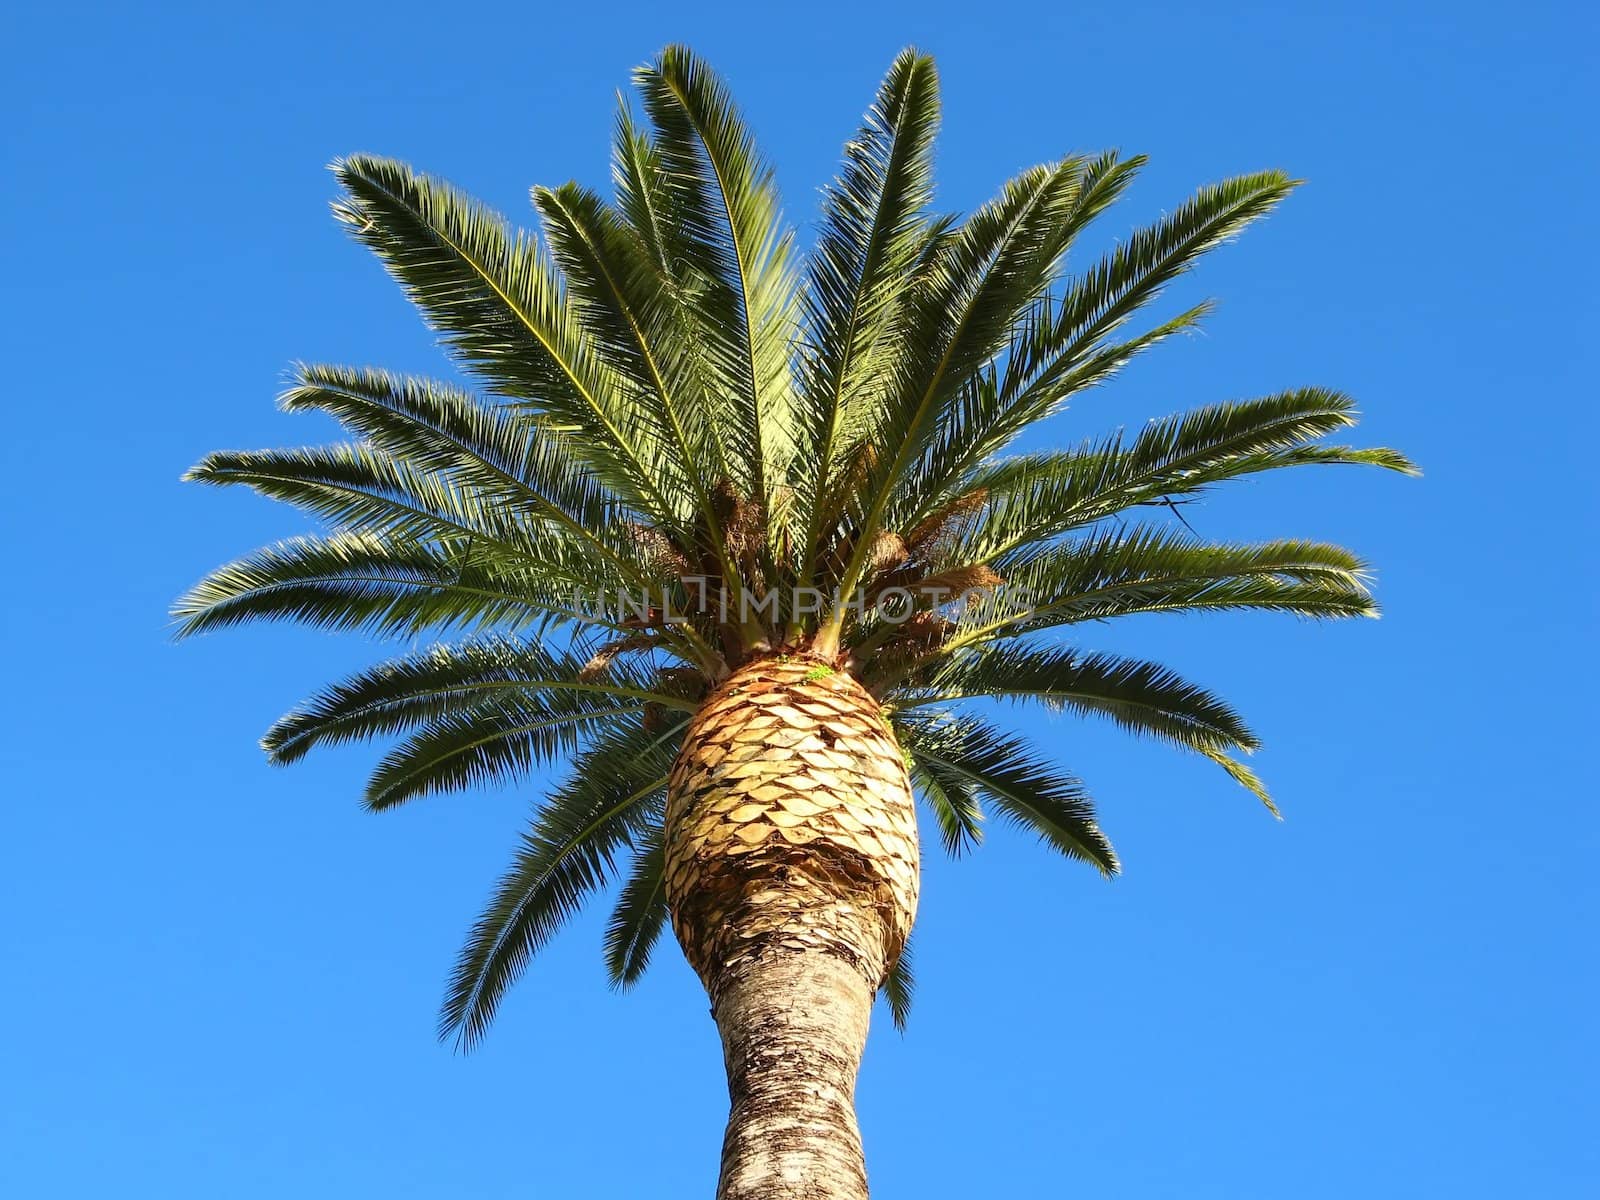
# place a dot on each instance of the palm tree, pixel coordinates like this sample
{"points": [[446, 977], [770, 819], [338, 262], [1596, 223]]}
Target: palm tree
{"points": [[735, 533]]}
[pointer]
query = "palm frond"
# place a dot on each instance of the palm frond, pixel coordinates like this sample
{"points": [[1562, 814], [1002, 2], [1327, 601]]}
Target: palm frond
{"points": [[1245, 778], [612, 798], [404, 693], [1127, 279], [497, 302], [1025, 790], [518, 468], [621, 297], [1142, 570], [643, 197], [727, 197], [496, 739], [360, 581], [899, 986], [964, 442], [617, 289], [356, 487], [953, 800], [1141, 697], [640, 913], [1144, 698], [978, 281], [1032, 498], [873, 229], [1060, 349]]}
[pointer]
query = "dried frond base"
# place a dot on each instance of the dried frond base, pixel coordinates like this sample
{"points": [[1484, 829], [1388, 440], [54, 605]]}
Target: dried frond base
{"points": [[790, 825]]}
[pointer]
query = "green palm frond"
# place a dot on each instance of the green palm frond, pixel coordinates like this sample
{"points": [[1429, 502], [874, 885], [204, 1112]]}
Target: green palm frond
{"points": [[1022, 788], [899, 988], [356, 487], [952, 798], [497, 739], [613, 797], [954, 461], [1036, 497], [977, 283], [618, 293], [874, 228], [726, 195], [1126, 280], [495, 299], [1142, 570], [526, 472], [640, 913], [361, 581], [1142, 697], [404, 693], [643, 197], [1245, 778], [1060, 345]]}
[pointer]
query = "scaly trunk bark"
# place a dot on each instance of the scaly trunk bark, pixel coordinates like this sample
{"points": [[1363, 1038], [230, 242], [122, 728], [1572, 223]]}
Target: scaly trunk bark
{"points": [[793, 1027], [791, 873]]}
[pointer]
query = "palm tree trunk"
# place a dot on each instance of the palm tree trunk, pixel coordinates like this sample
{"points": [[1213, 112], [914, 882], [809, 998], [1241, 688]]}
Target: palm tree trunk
{"points": [[791, 872], [793, 1029]]}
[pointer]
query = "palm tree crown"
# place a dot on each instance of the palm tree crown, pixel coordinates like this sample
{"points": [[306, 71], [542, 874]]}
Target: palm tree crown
{"points": [[681, 406]]}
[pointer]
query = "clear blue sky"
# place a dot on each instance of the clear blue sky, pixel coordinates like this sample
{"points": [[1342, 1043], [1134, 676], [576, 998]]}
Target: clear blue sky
{"points": [[221, 979]]}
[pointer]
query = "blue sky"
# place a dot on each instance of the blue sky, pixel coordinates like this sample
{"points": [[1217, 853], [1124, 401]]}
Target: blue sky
{"points": [[221, 978]]}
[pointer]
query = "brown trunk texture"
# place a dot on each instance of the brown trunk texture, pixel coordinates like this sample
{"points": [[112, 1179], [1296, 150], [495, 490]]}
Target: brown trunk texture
{"points": [[791, 872]]}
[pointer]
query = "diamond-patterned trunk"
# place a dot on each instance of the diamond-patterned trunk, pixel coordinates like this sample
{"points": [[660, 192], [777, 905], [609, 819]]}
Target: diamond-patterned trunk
{"points": [[791, 873]]}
